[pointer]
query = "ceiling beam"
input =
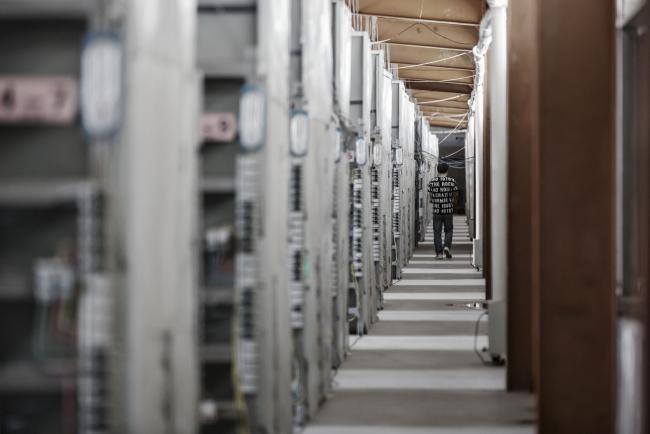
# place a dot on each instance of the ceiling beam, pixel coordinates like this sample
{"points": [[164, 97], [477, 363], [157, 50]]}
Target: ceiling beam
{"points": [[462, 81], [440, 87], [422, 20], [448, 68], [427, 34], [428, 109], [435, 47], [436, 95], [423, 55], [446, 124], [460, 106]]}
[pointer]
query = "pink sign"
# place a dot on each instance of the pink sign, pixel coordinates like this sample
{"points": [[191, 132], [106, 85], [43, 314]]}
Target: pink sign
{"points": [[219, 127], [42, 99]]}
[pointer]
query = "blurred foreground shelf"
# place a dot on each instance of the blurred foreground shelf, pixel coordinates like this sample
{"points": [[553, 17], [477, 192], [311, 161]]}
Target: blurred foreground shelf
{"points": [[45, 192], [29, 376], [48, 8]]}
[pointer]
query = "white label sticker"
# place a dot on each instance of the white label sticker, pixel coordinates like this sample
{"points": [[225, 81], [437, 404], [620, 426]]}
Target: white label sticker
{"points": [[219, 127], [44, 100]]}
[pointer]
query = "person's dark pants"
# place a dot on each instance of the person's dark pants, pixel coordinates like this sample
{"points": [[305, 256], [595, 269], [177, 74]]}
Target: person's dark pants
{"points": [[440, 221]]}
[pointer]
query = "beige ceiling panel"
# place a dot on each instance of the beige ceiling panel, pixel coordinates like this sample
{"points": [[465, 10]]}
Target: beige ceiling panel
{"points": [[448, 104], [430, 109], [434, 67], [447, 124], [463, 11], [425, 95], [422, 33], [431, 56], [442, 75]]}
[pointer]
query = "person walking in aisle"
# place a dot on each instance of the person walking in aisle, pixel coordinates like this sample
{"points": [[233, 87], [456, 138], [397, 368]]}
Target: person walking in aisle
{"points": [[443, 194]]}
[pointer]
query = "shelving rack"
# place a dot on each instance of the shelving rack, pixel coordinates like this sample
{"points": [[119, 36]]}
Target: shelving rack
{"points": [[225, 68], [51, 240]]}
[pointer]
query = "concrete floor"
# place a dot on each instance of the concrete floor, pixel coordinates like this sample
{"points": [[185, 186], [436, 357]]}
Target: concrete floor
{"points": [[416, 371]]}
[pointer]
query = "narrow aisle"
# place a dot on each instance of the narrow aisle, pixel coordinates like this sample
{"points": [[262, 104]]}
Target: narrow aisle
{"points": [[417, 372]]}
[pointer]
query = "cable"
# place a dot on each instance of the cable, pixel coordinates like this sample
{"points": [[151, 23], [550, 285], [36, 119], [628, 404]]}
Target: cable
{"points": [[435, 61], [429, 28], [455, 152], [383, 41], [476, 351], [440, 100], [452, 132], [448, 116], [446, 37], [418, 80]]}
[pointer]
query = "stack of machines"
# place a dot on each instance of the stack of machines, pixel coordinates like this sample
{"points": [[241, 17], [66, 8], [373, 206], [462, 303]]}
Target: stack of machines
{"points": [[403, 178], [55, 307], [203, 266]]}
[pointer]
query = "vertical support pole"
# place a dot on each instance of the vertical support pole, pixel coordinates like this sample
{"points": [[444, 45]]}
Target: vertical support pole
{"points": [[643, 78], [154, 196], [487, 190], [523, 248], [576, 219], [498, 77], [479, 180]]}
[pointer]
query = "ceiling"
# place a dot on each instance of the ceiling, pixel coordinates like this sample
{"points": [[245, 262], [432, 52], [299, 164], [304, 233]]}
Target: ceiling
{"points": [[430, 43]]}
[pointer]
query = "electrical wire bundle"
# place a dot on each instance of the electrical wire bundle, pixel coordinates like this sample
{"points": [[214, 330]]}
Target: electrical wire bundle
{"points": [[374, 199], [94, 324], [335, 241], [357, 224], [396, 202], [247, 279], [296, 236]]}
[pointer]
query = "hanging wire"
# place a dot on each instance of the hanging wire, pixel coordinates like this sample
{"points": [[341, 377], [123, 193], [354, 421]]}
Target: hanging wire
{"points": [[440, 100], [452, 132], [455, 152], [446, 37], [433, 62], [398, 34], [429, 28], [424, 80], [445, 118], [446, 115]]}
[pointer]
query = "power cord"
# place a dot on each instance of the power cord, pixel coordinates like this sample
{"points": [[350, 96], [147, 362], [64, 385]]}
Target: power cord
{"points": [[476, 350]]}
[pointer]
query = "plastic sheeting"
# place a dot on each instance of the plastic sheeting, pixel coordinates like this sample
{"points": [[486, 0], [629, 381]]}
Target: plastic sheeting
{"points": [[385, 105], [406, 122], [424, 135], [368, 83], [470, 153], [342, 56], [429, 140], [361, 82], [434, 145], [403, 117], [395, 119]]}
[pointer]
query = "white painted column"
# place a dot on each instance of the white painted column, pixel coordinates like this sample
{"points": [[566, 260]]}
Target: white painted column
{"points": [[497, 74], [478, 137], [469, 151], [498, 66], [477, 260], [154, 213]]}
